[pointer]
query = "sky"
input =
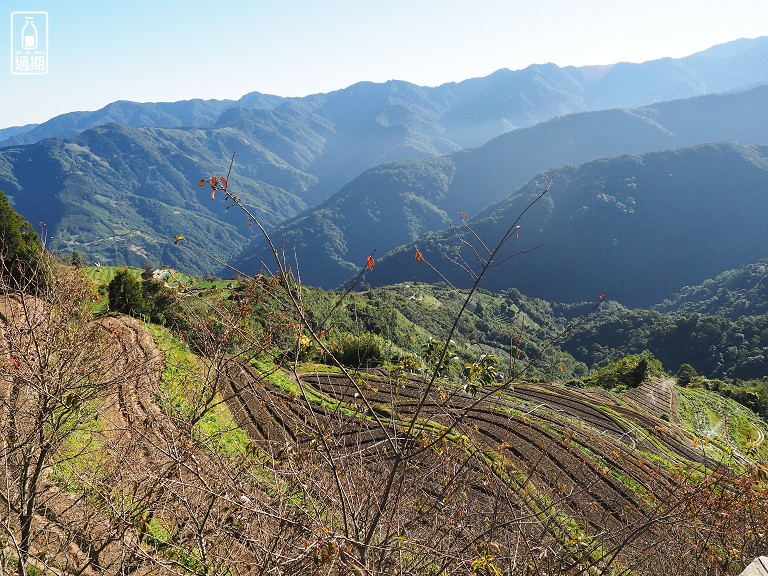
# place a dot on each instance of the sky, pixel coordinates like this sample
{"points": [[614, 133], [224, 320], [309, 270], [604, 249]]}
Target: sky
{"points": [[100, 51]]}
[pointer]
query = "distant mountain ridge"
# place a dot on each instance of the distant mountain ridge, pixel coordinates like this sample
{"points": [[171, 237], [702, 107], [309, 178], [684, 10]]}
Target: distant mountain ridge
{"points": [[466, 113], [396, 203], [7, 133], [113, 187], [185, 113], [733, 294], [634, 227]]}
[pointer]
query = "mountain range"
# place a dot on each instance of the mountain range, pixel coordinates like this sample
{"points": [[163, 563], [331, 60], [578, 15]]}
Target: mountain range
{"points": [[397, 203], [468, 113], [118, 183], [635, 227]]}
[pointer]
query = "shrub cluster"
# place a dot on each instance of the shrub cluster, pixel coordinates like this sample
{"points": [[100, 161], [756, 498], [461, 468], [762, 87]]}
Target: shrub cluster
{"points": [[629, 371]]}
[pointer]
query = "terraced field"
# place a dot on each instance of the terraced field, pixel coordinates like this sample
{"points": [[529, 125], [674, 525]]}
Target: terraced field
{"points": [[529, 474], [602, 461]]}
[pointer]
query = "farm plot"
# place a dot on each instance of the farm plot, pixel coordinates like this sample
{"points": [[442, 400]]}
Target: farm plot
{"points": [[657, 397], [585, 468]]}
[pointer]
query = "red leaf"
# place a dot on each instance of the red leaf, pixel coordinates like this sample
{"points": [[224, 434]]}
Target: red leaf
{"points": [[418, 256], [202, 182], [370, 263], [249, 223], [602, 297]]}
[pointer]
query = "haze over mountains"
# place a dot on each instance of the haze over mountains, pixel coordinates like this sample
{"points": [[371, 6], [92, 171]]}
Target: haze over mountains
{"points": [[396, 203], [635, 227], [469, 112], [118, 183]]}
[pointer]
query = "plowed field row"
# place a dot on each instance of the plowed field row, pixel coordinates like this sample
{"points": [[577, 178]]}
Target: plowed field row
{"points": [[406, 394], [570, 447], [141, 358], [529, 447], [569, 403], [657, 397]]}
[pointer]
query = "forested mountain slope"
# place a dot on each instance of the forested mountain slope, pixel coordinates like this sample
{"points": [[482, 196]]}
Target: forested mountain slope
{"points": [[636, 227], [396, 203]]}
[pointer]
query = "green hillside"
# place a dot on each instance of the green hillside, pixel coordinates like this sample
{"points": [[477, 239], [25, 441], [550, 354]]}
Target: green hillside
{"points": [[393, 204], [636, 228], [734, 293], [241, 429]]}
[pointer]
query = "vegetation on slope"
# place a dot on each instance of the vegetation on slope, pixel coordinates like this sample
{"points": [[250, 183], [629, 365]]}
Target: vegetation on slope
{"points": [[390, 205], [216, 466], [20, 251], [628, 227]]}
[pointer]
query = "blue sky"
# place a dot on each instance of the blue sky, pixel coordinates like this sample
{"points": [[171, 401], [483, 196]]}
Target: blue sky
{"points": [[164, 50]]}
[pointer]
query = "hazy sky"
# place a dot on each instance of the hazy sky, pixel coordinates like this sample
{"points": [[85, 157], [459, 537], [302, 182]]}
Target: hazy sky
{"points": [[164, 50]]}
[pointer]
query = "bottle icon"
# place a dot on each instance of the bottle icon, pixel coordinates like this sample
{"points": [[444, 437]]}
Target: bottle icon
{"points": [[29, 34]]}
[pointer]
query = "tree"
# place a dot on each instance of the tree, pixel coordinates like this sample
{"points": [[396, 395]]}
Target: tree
{"points": [[631, 371], [160, 303], [20, 250], [125, 294], [58, 364], [77, 259], [686, 374], [482, 373], [440, 358]]}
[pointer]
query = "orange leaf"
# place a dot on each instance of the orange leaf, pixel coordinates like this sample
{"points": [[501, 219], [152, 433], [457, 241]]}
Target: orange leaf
{"points": [[370, 263], [214, 182], [213, 193], [202, 182], [418, 256], [224, 182], [464, 213], [249, 223]]}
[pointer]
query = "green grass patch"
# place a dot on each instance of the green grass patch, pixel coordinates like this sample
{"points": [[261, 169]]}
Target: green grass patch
{"points": [[182, 386], [218, 424], [102, 275], [309, 367], [160, 538], [725, 423], [79, 452]]}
